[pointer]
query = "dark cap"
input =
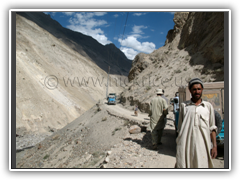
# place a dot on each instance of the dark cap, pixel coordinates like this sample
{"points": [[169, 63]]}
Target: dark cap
{"points": [[195, 81]]}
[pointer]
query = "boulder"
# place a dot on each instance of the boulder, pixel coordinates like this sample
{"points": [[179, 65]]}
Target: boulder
{"points": [[134, 129], [106, 160]]}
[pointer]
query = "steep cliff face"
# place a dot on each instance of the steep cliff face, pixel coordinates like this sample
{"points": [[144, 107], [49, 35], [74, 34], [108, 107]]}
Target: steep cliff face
{"points": [[141, 62], [204, 32], [179, 20], [194, 48]]}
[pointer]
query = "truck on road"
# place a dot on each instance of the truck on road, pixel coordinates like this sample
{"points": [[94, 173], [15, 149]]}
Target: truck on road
{"points": [[112, 98]]}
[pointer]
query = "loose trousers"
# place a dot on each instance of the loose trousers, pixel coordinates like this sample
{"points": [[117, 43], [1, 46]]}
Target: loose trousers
{"points": [[157, 130]]}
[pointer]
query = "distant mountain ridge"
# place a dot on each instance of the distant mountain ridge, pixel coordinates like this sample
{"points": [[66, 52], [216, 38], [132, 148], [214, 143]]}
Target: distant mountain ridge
{"points": [[103, 56]]}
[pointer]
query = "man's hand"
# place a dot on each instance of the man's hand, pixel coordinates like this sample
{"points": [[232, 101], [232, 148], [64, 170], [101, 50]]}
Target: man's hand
{"points": [[214, 152], [214, 149]]}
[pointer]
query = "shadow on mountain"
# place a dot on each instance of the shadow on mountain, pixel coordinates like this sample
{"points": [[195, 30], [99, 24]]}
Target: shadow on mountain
{"points": [[205, 42]]}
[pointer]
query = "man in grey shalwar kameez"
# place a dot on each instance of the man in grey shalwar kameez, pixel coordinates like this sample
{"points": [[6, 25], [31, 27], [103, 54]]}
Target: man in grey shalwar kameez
{"points": [[158, 112], [196, 129]]}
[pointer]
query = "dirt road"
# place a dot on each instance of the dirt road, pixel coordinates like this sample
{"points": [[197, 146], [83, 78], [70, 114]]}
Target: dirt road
{"points": [[135, 149], [87, 143], [118, 108]]}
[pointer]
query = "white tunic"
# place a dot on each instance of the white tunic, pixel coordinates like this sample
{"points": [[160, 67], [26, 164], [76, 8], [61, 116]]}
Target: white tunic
{"points": [[193, 142]]}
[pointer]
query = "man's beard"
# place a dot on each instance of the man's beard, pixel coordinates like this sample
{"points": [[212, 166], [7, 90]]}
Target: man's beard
{"points": [[195, 97]]}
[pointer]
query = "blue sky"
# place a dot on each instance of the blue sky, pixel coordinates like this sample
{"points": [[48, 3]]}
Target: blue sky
{"points": [[143, 32]]}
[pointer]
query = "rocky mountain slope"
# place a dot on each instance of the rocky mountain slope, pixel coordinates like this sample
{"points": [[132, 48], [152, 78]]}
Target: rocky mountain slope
{"points": [[82, 143], [55, 84], [103, 56], [194, 48], [87, 142]]}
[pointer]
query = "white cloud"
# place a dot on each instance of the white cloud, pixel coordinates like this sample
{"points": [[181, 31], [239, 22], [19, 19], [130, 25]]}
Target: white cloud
{"points": [[131, 46], [115, 15], [138, 14], [68, 13], [102, 38], [129, 52], [86, 24], [132, 42], [161, 33], [137, 29], [85, 19], [100, 13]]}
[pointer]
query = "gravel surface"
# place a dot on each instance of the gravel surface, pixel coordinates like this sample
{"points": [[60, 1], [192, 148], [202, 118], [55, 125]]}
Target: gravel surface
{"points": [[100, 138]]}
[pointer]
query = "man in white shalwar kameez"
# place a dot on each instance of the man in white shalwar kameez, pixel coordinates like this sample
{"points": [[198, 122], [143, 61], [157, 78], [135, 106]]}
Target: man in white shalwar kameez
{"points": [[196, 129]]}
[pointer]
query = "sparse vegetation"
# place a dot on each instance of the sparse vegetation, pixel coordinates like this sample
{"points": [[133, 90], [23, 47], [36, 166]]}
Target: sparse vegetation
{"points": [[177, 71], [126, 123], [98, 154], [148, 88], [97, 110], [115, 130], [46, 156], [157, 79], [185, 69], [187, 57]]}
